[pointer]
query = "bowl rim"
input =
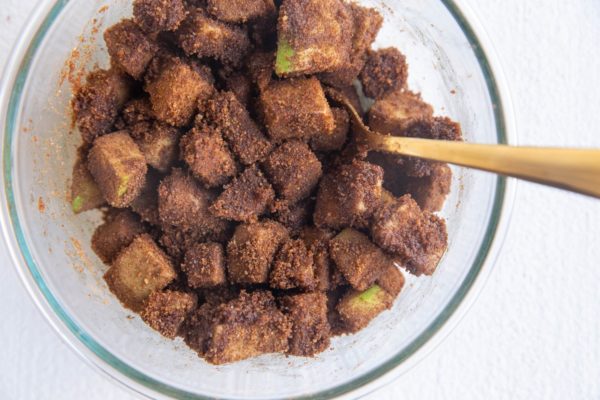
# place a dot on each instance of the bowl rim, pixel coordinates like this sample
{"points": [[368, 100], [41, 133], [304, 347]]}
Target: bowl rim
{"points": [[16, 71]]}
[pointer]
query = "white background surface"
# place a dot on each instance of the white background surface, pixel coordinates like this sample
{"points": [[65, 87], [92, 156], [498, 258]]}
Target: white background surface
{"points": [[535, 330]]}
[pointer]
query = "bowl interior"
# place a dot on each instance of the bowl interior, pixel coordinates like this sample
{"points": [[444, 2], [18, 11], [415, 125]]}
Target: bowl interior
{"points": [[55, 243]]}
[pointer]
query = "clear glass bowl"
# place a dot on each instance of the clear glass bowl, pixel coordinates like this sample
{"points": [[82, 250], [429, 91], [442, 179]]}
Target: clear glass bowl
{"points": [[50, 246]]}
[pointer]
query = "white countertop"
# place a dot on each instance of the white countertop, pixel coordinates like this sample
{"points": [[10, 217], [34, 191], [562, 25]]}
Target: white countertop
{"points": [[535, 330]]}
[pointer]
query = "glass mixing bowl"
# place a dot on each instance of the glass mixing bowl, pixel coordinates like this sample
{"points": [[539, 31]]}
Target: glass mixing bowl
{"points": [[50, 246]]}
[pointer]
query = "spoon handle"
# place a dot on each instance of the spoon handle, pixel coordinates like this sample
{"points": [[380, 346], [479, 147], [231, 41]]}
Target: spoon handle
{"points": [[577, 170]]}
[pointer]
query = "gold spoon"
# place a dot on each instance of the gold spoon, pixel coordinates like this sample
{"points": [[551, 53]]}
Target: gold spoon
{"points": [[577, 170]]}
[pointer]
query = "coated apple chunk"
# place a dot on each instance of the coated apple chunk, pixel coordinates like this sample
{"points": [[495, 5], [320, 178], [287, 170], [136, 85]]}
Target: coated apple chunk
{"points": [[313, 36], [118, 167], [157, 140], [294, 171], [294, 216], [183, 207], [160, 147], [296, 108], [96, 104], [366, 23], [317, 241], [293, 267], [391, 280], [140, 269], [203, 36], [417, 237], [337, 139], [85, 193], [240, 11], [252, 249], [394, 113], [246, 140], [208, 156], [129, 48], [385, 72], [246, 198], [175, 87], [166, 311], [358, 308], [358, 259], [349, 196], [158, 15], [430, 192], [307, 313], [204, 265], [247, 326], [118, 231]]}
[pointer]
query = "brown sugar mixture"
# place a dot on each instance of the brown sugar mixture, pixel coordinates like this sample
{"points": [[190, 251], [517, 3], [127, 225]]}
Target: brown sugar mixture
{"points": [[237, 215]]}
